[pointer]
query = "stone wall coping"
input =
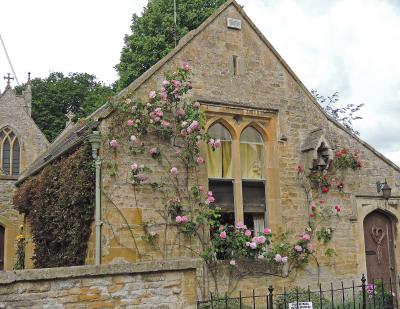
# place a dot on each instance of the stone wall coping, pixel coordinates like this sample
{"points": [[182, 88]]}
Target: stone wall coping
{"points": [[8, 277]]}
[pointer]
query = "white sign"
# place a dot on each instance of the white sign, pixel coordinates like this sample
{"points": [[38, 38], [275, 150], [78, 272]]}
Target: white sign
{"points": [[234, 23], [302, 305]]}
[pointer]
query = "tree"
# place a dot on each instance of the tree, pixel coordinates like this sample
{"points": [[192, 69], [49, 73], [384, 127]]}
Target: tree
{"points": [[344, 115], [153, 34], [56, 95]]}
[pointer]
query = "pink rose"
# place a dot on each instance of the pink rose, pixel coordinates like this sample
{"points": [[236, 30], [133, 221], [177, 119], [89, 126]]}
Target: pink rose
{"points": [[247, 233], [247, 244], [152, 94], [240, 226], [141, 177], [130, 122], [306, 237], [310, 247], [298, 248], [217, 143], [210, 199], [284, 259], [165, 83], [186, 66], [267, 231], [165, 124], [153, 151], [178, 219], [134, 166], [253, 245], [209, 193], [232, 262], [180, 112], [174, 171], [185, 219], [278, 258], [221, 228], [194, 125], [196, 104], [222, 235], [133, 139], [200, 160], [211, 142], [113, 143], [260, 239]]}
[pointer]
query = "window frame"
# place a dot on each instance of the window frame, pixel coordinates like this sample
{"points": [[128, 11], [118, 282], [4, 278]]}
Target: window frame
{"points": [[235, 129], [13, 141]]}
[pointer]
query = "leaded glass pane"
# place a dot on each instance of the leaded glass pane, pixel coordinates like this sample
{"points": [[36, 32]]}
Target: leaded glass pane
{"points": [[16, 156], [6, 158]]}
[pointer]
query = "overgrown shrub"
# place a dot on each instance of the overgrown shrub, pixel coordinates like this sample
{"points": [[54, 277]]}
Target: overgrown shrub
{"points": [[59, 205]]}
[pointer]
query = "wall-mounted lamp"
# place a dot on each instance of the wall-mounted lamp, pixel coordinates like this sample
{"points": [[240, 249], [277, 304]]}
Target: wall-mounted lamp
{"points": [[384, 187]]}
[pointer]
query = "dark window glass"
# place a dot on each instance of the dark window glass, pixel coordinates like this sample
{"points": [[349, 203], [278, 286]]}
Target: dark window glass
{"points": [[6, 157], [15, 160]]}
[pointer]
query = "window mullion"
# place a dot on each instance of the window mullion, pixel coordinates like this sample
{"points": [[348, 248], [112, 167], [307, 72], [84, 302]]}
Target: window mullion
{"points": [[237, 182]]}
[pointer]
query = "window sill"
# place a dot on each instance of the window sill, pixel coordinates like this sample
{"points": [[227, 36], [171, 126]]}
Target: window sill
{"points": [[5, 177]]}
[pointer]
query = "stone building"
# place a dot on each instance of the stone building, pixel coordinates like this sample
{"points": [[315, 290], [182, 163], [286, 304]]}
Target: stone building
{"points": [[21, 141], [268, 124]]}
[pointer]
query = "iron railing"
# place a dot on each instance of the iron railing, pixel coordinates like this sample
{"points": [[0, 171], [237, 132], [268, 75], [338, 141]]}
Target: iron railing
{"points": [[381, 294]]}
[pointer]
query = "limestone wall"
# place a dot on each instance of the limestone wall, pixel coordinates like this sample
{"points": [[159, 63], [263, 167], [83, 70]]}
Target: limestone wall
{"points": [[143, 285]]}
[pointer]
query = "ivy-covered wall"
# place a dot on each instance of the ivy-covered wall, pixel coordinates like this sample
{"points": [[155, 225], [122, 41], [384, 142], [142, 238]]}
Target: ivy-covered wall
{"points": [[59, 206]]}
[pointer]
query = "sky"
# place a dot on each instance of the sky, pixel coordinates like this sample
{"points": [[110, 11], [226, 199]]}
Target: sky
{"points": [[349, 46]]}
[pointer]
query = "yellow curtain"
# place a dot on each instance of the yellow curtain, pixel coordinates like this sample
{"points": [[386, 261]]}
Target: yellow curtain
{"points": [[219, 161], [252, 161]]}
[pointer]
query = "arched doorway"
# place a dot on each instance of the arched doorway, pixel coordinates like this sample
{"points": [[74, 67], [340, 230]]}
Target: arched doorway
{"points": [[379, 248], [2, 247]]}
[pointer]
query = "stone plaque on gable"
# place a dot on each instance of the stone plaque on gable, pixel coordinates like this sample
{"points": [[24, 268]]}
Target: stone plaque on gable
{"points": [[234, 23]]}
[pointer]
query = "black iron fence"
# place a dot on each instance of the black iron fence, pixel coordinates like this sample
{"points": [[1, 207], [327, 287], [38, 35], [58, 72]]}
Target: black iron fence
{"points": [[380, 294]]}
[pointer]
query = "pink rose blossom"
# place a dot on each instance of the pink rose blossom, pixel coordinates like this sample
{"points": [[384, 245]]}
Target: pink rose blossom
{"points": [[163, 94], [210, 200], [298, 248], [200, 160], [165, 124], [278, 258], [194, 125], [152, 94], [253, 245], [113, 143], [217, 143], [178, 219], [240, 226], [222, 235], [260, 239], [185, 219], [133, 139], [209, 193], [232, 262], [310, 247], [267, 231], [130, 122], [284, 259], [247, 233], [153, 151], [221, 228], [141, 177], [186, 66], [180, 112], [184, 124], [189, 130], [165, 83], [211, 142], [196, 104], [174, 171], [247, 244], [177, 151], [306, 237], [134, 166], [157, 119]]}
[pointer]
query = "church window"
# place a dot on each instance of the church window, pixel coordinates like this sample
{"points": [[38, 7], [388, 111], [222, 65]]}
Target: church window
{"points": [[253, 180], [249, 188], [9, 153], [219, 166]]}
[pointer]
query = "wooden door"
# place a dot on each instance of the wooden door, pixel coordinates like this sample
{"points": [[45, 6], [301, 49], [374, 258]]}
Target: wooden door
{"points": [[379, 250], [1, 248]]}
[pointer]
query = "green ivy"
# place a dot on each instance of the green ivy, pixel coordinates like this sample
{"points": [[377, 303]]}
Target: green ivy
{"points": [[59, 205]]}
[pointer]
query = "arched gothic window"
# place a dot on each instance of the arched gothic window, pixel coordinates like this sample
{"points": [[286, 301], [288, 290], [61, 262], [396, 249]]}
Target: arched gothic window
{"points": [[10, 152], [253, 178], [220, 159]]}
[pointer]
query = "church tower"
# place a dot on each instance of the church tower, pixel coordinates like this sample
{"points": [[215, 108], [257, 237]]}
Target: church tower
{"points": [[21, 142]]}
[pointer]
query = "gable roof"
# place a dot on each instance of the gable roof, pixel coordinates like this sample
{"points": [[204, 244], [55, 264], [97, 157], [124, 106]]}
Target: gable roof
{"points": [[105, 110]]}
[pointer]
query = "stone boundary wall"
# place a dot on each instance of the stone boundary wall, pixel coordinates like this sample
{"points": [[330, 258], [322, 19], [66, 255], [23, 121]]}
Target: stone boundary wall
{"points": [[155, 284]]}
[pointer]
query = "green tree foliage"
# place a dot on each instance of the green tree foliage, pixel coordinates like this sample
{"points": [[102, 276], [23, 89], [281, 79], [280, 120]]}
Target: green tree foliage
{"points": [[57, 94], [153, 34]]}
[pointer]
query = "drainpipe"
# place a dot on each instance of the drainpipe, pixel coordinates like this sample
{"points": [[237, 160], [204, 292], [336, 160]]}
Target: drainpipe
{"points": [[94, 140]]}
